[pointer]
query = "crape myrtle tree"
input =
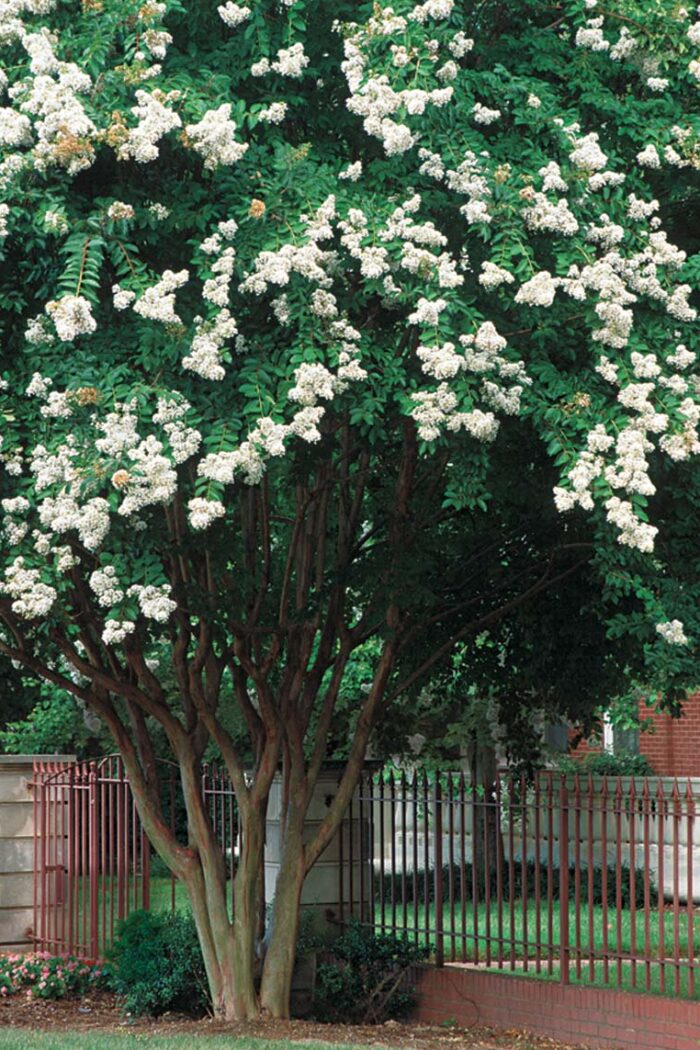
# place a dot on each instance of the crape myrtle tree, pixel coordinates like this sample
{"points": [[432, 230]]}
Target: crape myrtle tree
{"points": [[273, 278]]}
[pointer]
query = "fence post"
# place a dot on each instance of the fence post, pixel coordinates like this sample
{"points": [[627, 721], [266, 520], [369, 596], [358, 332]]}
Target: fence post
{"points": [[94, 861], [439, 945], [564, 948]]}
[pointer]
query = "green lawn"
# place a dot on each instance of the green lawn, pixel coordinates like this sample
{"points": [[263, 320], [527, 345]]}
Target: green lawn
{"points": [[20, 1040], [517, 933], [478, 935]]}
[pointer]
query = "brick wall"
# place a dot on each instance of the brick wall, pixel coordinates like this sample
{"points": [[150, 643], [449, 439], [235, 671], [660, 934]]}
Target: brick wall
{"points": [[673, 748], [672, 745], [593, 1017]]}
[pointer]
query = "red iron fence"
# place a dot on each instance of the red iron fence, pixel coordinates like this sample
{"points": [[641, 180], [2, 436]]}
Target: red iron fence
{"points": [[567, 877], [93, 862]]}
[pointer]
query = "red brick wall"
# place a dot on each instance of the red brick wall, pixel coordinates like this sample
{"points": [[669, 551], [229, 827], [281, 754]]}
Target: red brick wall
{"points": [[672, 745], [673, 748], [594, 1017]]}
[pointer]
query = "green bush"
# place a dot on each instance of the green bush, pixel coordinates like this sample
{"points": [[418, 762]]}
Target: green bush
{"points": [[364, 978], [606, 764], [156, 964]]}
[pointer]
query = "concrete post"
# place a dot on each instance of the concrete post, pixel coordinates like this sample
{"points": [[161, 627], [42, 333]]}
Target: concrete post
{"points": [[17, 815]]}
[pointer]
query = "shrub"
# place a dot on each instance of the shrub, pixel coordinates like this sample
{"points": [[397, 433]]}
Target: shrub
{"points": [[606, 764], [156, 964], [44, 976], [365, 977]]}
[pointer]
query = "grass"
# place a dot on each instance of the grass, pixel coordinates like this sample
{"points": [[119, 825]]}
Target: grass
{"points": [[476, 934], [18, 1040], [604, 931]]}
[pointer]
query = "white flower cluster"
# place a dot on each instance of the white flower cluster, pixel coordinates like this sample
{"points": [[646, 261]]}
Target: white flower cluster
{"points": [[649, 157], [352, 172], [435, 411], [484, 115], [122, 297], [64, 513], [155, 119], [538, 291], [120, 212], [543, 216], [591, 35], [204, 357], [274, 113], [32, 598], [213, 138], [587, 154], [290, 62], [376, 101], [63, 132], [184, 441], [233, 14], [203, 512], [158, 302], [14, 530], [157, 40], [151, 477], [116, 631], [672, 631], [15, 129], [72, 316], [105, 585], [492, 276], [154, 601]]}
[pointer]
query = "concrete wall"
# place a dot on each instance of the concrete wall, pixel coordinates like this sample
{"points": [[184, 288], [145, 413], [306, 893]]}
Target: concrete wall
{"points": [[667, 826], [17, 848], [322, 884]]}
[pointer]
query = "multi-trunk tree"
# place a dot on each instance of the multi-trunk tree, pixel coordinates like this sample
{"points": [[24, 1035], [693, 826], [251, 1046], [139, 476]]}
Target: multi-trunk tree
{"points": [[274, 277]]}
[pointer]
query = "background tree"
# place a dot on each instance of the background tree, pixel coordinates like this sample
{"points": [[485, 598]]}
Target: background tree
{"points": [[274, 278]]}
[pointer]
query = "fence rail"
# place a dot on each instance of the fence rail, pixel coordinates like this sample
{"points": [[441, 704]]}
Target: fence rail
{"points": [[93, 863], [567, 877], [570, 878]]}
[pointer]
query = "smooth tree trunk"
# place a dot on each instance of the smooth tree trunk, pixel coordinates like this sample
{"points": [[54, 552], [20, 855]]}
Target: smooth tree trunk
{"points": [[278, 966]]}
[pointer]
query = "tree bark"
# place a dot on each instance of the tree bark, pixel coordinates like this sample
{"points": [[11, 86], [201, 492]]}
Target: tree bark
{"points": [[278, 966]]}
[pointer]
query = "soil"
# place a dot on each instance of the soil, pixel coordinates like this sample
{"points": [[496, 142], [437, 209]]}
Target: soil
{"points": [[100, 1012]]}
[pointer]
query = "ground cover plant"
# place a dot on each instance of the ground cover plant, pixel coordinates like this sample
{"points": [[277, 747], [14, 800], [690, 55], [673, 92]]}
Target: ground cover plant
{"points": [[326, 324], [39, 975]]}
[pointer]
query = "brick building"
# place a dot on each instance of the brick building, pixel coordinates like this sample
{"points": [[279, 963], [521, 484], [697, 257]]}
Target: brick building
{"points": [[672, 745]]}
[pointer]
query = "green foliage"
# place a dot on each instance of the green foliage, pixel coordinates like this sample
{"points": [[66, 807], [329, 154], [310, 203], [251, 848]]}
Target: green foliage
{"points": [[606, 763], [55, 725], [365, 979], [40, 975], [155, 964]]}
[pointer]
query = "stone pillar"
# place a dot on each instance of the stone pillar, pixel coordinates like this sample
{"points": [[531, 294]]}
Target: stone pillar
{"points": [[321, 893], [17, 848]]}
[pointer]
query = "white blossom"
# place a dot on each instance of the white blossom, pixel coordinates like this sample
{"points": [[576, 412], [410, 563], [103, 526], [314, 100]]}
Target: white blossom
{"points": [[484, 115], [72, 316], [232, 14], [213, 138], [672, 631], [202, 512], [538, 291], [115, 631]]}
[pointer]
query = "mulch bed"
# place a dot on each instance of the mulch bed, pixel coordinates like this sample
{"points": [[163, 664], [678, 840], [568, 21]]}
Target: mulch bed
{"points": [[100, 1011]]}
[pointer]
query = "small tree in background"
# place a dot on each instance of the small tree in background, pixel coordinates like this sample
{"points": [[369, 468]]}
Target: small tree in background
{"points": [[307, 308]]}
